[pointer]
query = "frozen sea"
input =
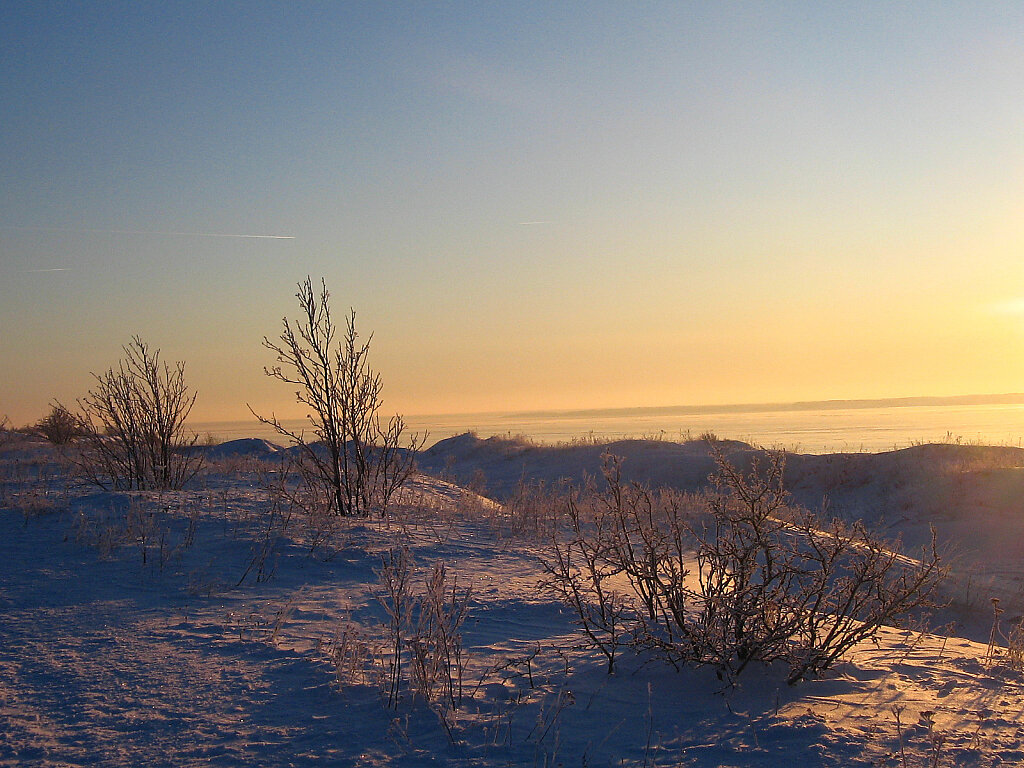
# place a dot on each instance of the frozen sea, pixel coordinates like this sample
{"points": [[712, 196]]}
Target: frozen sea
{"points": [[809, 427]]}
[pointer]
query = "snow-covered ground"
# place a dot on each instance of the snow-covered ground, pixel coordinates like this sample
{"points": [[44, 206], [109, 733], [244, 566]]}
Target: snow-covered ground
{"points": [[200, 628]]}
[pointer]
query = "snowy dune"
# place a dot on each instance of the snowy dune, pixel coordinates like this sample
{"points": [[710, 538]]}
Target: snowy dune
{"points": [[216, 638], [972, 495]]}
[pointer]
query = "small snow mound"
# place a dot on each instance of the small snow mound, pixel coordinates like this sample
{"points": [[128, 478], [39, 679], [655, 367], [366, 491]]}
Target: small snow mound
{"points": [[245, 447], [435, 493], [456, 444]]}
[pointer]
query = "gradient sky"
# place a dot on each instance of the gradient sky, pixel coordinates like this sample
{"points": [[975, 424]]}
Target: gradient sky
{"points": [[531, 205]]}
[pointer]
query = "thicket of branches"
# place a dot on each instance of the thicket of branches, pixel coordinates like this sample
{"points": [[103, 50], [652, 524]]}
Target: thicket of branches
{"points": [[357, 456], [132, 425], [60, 426], [730, 577]]}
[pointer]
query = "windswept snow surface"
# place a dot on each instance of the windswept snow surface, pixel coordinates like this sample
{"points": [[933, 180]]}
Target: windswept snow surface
{"points": [[209, 636]]}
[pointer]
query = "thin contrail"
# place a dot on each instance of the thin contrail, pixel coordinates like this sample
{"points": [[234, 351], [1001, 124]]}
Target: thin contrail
{"points": [[147, 232], [528, 223], [51, 269]]}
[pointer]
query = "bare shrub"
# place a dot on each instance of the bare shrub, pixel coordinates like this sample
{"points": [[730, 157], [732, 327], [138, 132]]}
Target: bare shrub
{"points": [[31, 484], [932, 751], [139, 524], [262, 562], [438, 656], [144, 529], [1015, 647], [283, 615], [134, 425], [1013, 652], [60, 426], [351, 655], [38, 499], [478, 482], [396, 598], [417, 509], [424, 648], [733, 577], [581, 570], [103, 531], [533, 511], [296, 498], [358, 457]]}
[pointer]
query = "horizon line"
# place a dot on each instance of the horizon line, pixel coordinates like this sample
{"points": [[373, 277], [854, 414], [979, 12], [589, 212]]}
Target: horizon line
{"points": [[1008, 398]]}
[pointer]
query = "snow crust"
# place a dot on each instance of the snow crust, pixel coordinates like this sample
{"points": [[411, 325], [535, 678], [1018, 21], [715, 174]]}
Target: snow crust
{"points": [[172, 648]]}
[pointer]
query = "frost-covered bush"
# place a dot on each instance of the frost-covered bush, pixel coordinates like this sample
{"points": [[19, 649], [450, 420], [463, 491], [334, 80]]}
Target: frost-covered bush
{"points": [[730, 577], [423, 632], [133, 425], [60, 426], [358, 457]]}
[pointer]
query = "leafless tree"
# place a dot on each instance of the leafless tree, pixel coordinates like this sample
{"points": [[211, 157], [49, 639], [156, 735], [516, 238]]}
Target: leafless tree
{"points": [[357, 456], [133, 424]]}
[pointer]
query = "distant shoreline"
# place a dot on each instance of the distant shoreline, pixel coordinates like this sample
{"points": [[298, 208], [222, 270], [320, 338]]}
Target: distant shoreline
{"points": [[1013, 398]]}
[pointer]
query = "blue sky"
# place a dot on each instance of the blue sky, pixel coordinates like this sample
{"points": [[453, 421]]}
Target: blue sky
{"points": [[531, 205]]}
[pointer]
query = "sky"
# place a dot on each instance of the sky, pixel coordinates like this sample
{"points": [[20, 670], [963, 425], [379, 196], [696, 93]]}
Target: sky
{"points": [[529, 205]]}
